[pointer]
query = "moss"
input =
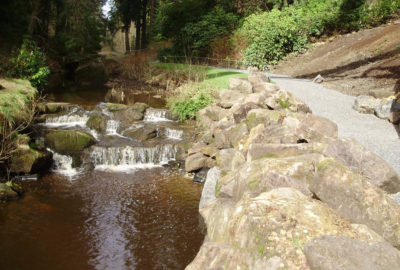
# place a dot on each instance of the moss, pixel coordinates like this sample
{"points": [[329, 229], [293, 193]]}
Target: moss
{"points": [[68, 141], [254, 183], [252, 121], [16, 99], [217, 189], [116, 107], [322, 166], [96, 122], [285, 104]]}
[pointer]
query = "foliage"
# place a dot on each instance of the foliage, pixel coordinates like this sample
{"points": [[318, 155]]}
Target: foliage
{"points": [[197, 37], [30, 63], [270, 36], [192, 98]]}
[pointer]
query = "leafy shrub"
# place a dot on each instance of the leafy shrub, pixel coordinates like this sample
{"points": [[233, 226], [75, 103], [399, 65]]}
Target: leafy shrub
{"points": [[30, 63], [190, 98]]}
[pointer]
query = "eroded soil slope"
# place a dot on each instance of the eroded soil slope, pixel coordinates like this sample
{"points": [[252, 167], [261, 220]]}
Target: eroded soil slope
{"points": [[362, 63]]}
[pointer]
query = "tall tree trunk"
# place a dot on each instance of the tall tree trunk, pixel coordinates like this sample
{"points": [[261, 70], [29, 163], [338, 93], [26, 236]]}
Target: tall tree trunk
{"points": [[144, 24], [152, 13], [137, 41], [35, 4], [51, 28], [127, 42]]}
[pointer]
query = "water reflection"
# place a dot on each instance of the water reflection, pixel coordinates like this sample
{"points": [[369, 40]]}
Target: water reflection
{"points": [[142, 220]]}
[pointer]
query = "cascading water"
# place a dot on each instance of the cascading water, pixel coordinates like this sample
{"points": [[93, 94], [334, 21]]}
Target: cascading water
{"points": [[119, 210], [62, 164], [174, 133], [125, 158], [112, 127], [156, 115]]}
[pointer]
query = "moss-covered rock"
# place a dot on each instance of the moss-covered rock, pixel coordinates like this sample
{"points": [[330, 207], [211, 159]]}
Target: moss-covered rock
{"points": [[6, 193], [54, 107], [97, 122], [28, 160], [113, 107], [68, 142]]}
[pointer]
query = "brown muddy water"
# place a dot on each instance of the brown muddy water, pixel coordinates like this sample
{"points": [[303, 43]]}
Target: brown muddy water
{"points": [[143, 218]]}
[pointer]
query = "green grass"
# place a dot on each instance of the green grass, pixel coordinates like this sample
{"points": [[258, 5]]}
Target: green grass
{"points": [[15, 98], [202, 84]]}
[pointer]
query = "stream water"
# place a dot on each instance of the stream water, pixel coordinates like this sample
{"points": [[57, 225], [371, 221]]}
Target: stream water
{"points": [[125, 211]]}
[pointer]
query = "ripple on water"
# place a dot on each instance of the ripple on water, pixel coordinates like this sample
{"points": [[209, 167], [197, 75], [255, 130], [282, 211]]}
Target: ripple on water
{"points": [[144, 220]]}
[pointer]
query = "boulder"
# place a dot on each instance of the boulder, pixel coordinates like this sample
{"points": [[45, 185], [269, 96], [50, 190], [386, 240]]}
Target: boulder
{"points": [[258, 77], [113, 107], [97, 122], [228, 98], [339, 252], [358, 158], [255, 98], [142, 134], [241, 85], [275, 224], [366, 104], [195, 162], [268, 173], [277, 150], [139, 107], [353, 197], [56, 107], [7, 193], [200, 176], [315, 128], [237, 133], [28, 160], [229, 159], [68, 142], [213, 112], [222, 138], [208, 193], [129, 116], [263, 116], [240, 111], [389, 110], [209, 150]]}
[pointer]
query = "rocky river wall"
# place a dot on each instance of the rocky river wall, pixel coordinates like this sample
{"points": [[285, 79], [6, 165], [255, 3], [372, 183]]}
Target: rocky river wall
{"points": [[285, 192]]}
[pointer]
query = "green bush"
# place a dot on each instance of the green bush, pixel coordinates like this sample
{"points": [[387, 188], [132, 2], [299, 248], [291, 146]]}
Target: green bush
{"points": [[30, 63], [191, 98]]}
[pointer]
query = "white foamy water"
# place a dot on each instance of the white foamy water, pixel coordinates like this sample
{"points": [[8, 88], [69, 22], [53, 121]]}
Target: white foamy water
{"points": [[62, 164], [174, 133], [112, 127], [125, 158], [71, 119], [156, 115]]}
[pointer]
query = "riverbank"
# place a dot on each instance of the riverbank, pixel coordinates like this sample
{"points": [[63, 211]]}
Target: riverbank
{"points": [[285, 192]]}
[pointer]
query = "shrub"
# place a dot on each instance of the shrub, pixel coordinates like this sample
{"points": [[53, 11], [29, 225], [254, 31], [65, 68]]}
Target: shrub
{"points": [[30, 63], [190, 98]]}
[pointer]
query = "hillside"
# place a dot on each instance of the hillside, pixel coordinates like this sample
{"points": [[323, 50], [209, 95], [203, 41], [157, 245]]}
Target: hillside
{"points": [[361, 63]]}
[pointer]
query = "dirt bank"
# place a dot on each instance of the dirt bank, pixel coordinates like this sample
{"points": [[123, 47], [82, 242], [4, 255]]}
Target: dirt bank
{"points": [[362, 63]]}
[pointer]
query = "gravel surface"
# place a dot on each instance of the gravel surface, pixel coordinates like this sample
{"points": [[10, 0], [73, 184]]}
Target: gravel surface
{"points": [[377, 135]]}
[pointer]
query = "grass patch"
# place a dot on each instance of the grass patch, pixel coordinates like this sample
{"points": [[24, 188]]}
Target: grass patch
{"points": [[15, 99], [200, 87]]}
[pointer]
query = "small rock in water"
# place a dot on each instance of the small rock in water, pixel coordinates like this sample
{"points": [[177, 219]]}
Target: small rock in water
{"points": [[200, 177], [26, 178]]}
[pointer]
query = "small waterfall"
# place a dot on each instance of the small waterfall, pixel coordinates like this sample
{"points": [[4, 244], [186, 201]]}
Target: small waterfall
{"points": [[112, 127], [63, 165], [122, 158], [71, 119], [156, 115], [174, 133]]}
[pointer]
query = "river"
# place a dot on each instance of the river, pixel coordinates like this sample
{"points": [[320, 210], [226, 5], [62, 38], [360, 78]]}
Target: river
{"points": [[127, 211]]}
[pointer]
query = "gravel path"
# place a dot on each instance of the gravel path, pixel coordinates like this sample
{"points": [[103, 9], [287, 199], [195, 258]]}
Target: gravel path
{"points": [[377, 135]]}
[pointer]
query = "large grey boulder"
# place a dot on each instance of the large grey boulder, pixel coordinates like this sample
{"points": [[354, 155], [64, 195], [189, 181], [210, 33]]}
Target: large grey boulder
{"points": [[142, 134], [241, 85], [240, 111], [355, 156], [228, 98], [315, 128], [208, 193], [339, 252], [353, 197], [195, 162], [366, 104], [229, 159], [389, 110]]}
